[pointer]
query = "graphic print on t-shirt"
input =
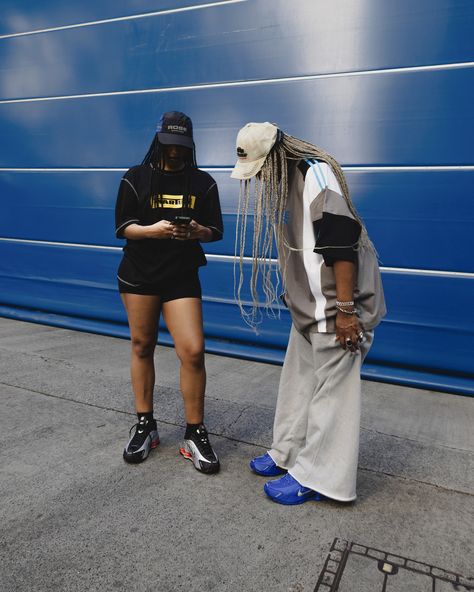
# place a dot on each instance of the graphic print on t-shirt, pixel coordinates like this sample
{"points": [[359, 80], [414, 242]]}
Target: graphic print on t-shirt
{"points": [[170, 201]]}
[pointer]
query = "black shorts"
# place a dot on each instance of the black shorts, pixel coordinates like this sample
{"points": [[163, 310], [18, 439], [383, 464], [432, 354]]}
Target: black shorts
{"points": [[186, 285]]}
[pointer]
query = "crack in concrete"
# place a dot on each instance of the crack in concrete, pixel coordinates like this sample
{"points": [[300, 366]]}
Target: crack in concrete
{"points": [[230, 438], [421, 441], [242, 411], [413, 480], [175, 391]]}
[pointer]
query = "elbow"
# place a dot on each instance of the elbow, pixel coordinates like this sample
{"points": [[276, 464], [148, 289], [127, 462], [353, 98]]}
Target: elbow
{"points": [[216, 234]]}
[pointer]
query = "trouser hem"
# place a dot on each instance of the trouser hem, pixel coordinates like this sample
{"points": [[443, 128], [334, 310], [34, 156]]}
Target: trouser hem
{"points": [[322, 490], [274, 459]]}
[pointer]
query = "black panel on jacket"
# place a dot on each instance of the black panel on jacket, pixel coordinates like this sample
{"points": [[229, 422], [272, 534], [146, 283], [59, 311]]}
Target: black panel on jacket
{"points": [[336, 238]]}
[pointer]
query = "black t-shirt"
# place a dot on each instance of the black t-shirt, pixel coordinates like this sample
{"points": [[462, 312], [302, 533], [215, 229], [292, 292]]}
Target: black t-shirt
{"points": [[154, 260]]}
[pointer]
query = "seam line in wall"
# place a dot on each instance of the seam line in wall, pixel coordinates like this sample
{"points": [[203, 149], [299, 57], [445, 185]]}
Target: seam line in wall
{"points": [[230, 258], [253, 82], [349, 168], [121, 18]]}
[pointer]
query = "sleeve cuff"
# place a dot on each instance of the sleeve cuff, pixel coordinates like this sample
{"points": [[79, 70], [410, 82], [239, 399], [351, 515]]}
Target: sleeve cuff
{"points": [[119, 230], [216, 233], [330, 256]]}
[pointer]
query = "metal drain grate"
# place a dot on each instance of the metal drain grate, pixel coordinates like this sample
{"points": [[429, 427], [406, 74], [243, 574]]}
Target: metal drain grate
{"points": [[351, 567]]}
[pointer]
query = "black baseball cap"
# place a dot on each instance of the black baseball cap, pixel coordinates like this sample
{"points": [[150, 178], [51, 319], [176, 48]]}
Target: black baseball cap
{"points": [[176, 128]]}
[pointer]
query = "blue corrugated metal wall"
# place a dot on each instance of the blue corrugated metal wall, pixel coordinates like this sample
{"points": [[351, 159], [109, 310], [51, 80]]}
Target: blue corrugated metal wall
{"points": [[385, 87]]}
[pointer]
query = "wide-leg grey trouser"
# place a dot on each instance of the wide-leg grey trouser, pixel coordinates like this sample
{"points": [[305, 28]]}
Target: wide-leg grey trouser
{"points": [[317, 420]]}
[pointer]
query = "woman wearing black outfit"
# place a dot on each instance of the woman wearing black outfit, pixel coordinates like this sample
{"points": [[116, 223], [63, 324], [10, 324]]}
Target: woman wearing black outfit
{"points": [[165, 208]]}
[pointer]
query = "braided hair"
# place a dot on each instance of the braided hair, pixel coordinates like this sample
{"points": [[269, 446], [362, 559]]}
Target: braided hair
{"points": [[156, 160], [269, 198]]}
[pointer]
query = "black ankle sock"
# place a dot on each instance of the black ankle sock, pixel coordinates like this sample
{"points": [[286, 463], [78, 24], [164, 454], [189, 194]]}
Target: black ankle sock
{"points": [[191, 429], [148, 416]]}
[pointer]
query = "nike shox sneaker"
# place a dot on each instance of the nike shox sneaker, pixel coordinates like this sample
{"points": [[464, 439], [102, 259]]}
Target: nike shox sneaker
{"points": [[288, 491], [266, 466], [198, 449], [143, 440]]}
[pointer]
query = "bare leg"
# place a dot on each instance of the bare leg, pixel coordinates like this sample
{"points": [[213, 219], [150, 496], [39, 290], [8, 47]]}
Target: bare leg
{"points": [[183, 317], [143, 315]]}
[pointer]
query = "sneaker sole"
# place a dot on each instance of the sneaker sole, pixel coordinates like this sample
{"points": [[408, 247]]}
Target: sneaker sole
{"points": [[317, 497]]}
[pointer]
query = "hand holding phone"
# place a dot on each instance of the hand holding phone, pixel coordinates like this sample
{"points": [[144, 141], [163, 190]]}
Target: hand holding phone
{"points": [[183, 227]]}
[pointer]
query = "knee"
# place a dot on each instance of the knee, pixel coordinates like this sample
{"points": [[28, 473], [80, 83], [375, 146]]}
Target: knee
{"points": [[143, 347], [192, 355]]}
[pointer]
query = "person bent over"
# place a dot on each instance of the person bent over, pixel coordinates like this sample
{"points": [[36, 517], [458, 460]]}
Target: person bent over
{"points": [[333, 290]]}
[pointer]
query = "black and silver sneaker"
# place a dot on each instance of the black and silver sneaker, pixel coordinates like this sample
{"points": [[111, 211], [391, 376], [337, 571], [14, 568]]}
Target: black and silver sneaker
{"points": [[143, 440], [198, 449]]}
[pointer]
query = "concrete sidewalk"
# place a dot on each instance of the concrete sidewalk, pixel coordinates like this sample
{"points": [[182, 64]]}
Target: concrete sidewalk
{"points": [[75, 517]]}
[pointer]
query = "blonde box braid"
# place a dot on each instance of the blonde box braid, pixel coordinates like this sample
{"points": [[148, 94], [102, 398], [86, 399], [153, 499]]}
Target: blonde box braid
{"points": [[269, 205]]}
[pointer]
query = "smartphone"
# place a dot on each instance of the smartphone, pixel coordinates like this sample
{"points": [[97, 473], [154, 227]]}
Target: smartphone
{"points": [[182, 220]]}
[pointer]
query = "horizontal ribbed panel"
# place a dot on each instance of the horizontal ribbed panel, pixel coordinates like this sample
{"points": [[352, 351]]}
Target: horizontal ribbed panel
{"points": [[419, 220], [235, 42]]}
